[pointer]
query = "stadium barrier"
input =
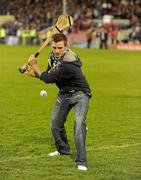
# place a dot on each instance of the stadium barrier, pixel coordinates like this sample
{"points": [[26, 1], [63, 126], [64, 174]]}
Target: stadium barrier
{"points": [[133, 47], [12, 40], [6, 19]]}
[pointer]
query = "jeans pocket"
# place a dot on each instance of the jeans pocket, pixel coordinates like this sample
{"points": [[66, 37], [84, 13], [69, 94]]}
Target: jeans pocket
{"points": [[76, 96]]}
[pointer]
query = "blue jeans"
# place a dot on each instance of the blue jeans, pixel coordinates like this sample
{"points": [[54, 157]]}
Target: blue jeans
{"points": [[80, 101]]}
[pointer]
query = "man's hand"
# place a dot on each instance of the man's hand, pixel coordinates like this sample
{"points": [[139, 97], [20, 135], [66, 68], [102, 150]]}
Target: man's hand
{"points": [[28, 70], [32, 68], [24, 68], [32, 60]]}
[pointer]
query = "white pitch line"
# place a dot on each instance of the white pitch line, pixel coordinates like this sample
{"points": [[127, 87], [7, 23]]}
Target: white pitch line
{"points": [[24, 158], [89, 149], [114, 147]]}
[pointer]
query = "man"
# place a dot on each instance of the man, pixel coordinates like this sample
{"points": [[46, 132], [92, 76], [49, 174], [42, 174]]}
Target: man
{"points": [[103, 35], [64, 69], [89, 36]]}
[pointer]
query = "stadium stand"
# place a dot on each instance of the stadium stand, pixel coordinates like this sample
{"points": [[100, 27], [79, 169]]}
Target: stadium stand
{"points": [[109, 21]]}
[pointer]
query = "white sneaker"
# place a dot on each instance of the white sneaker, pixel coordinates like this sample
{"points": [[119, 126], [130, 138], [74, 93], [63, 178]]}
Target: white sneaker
{"points": [[83, 168], [55, 153]]}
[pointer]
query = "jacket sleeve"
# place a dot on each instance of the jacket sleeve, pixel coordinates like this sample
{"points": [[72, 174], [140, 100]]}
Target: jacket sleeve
{"points": [[63, 72]]}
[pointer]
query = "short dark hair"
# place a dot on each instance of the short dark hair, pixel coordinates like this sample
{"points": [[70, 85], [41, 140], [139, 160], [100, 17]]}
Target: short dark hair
{"points": [[59, 37]]}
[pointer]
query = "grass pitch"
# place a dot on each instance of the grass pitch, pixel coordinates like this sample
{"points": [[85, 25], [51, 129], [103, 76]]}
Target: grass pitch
{"points": [[114, 134]]}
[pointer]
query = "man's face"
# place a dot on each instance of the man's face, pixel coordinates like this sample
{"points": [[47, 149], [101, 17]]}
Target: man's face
{"points": [[58, 48]]}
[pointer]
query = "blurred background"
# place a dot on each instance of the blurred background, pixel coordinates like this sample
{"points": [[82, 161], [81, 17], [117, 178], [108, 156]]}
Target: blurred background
{"points": [[98, 24]]}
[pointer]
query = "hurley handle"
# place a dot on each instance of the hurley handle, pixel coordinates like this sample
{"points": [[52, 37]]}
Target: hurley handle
{"points": [[37, 53]]}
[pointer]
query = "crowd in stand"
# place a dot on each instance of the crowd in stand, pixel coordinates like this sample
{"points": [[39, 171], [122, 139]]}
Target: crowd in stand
{"points": [[35, 15]]}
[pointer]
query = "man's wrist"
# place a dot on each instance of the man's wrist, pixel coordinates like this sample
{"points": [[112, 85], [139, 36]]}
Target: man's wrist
{"points": [[34, 66], [36, 69]]}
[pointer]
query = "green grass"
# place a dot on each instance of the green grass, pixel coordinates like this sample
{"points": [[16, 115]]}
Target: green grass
{"points": [[114, 135]]}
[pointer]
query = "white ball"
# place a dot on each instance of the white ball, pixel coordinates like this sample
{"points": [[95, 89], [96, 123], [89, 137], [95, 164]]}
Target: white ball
{"points": [[43, 93]]}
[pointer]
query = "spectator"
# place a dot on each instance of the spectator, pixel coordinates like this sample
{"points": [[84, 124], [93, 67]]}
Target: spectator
{"points": [[89, 37], [2, 35], [103, 36]]}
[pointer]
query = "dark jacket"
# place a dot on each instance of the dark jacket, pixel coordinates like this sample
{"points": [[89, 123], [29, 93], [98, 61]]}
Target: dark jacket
{"points": [[66, 74]]}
